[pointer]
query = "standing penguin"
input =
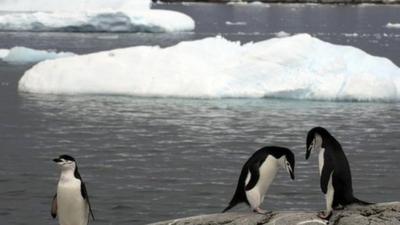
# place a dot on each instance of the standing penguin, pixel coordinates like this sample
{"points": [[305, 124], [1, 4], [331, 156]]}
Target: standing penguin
{"points": [[257, 175], [71, 202], [334, 170]]}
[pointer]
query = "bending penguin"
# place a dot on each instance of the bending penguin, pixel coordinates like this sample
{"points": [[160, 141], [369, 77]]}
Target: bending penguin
{"points": [[71, 202], [334, 170], [257, 175]]}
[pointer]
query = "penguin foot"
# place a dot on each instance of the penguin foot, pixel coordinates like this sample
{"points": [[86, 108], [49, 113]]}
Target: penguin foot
{"points": [[325, 216], [261, 211]]}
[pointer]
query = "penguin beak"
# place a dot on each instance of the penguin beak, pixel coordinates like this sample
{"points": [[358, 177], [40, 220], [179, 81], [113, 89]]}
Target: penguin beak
{"points": [[291, 173], [57, 160], [310, 143], [309, 148], [308, 152]]}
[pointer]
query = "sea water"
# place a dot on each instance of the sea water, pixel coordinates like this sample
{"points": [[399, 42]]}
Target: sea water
{"points": [[147, 159]]}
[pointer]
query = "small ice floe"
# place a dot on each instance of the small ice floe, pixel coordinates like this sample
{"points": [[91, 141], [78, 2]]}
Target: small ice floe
{"points": [[260, 4], [23, 55], [237, 3], [239, 23], [282, 34], [393, 25], [350, 34], [4, 53]]}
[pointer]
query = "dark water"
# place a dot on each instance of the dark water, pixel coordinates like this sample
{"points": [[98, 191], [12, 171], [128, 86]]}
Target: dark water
{"points": [[152, 159]]}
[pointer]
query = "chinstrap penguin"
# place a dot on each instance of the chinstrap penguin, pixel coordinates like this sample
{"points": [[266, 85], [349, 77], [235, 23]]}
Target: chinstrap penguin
{"points": [[334, 170], [71, 202], [257, 175]]}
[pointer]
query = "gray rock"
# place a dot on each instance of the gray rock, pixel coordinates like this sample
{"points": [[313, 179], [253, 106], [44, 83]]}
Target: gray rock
{"points": [[376, 214]]}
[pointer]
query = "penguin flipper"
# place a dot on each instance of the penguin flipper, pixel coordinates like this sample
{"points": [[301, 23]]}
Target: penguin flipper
{"points": [[240, 194], [254, 170], [54, 207], [326, 173], [86, 197]]}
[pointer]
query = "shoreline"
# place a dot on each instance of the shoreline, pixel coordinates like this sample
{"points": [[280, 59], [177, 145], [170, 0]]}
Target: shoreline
{"points": [[322, 2], [375, 214]]}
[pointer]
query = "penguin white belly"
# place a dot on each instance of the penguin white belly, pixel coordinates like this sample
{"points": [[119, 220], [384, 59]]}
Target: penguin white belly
{"points": [[268, 171], [329, 195], [330, 190], [72, 207], [321, 160]]}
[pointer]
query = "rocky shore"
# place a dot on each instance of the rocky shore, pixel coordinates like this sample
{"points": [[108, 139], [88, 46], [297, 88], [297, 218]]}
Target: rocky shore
{"points": [[377, 214], [292, 1]]}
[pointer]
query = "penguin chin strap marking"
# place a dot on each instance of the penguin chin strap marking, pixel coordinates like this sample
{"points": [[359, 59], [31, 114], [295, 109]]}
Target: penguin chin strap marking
{"points": [[312, 145]]}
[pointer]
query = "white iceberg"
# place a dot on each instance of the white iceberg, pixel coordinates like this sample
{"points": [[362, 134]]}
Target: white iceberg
{"points": [[73, 5], [297, 67], [393, 25], [104, 21], [91, 16], [23, 55]]}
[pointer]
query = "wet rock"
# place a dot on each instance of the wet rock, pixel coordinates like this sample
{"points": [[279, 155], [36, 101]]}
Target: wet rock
{"points": [[376, 214]]}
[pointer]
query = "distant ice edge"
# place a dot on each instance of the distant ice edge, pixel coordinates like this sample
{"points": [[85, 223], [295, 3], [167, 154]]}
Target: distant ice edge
{"points": [[152, 21], [294, 67]]}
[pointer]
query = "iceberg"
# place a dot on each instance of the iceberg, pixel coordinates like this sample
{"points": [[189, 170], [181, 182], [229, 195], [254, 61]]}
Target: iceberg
{"points": [[295, 67], [23, 55], [103, 21], [90, 16], [73, 5]]}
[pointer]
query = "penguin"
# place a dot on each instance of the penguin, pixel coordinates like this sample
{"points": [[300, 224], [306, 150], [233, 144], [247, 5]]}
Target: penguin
{"points": [[334, 170], [257, 175], [71, 202]]}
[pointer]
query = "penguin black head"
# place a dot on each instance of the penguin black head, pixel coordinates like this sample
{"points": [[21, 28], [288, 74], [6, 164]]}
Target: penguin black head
{"points": [[286, 158], [66, 162], [314, 139]]}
